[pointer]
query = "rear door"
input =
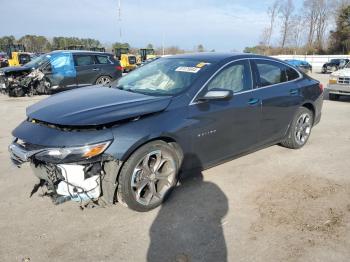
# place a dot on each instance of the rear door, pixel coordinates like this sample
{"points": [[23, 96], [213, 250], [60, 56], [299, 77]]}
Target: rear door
{"points": [[107, 66], [223, 128], [87, 70], [280, 96]]}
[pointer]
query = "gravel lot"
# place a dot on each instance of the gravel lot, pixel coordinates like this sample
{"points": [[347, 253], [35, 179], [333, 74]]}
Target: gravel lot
{"points": [[273, 205]]}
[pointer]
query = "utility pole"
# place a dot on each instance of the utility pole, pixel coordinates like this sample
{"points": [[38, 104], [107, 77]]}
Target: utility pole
{"points": [[120, 20], [163, 44]]}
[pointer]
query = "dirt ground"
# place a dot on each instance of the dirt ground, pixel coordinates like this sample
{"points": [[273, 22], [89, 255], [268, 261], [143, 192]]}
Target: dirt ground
{"points": [[276, 204]]}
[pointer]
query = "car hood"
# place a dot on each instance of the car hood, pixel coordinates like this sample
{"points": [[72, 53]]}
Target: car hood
{"points": [[95, 105], [342, 72], [11, 69]]}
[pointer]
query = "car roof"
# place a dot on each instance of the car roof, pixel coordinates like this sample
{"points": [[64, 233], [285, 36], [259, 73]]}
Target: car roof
{"points": [[214, 57], [79, 52]]}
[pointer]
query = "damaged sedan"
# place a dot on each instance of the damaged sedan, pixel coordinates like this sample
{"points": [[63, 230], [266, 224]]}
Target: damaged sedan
{"points": [[58, 71], [129, 141]]}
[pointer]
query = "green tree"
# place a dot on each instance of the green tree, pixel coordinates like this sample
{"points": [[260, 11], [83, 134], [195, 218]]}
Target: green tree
{"points": [[340, 38], [149, 46], [35, 43], [120, 45], [200, 48], [6, 40]]}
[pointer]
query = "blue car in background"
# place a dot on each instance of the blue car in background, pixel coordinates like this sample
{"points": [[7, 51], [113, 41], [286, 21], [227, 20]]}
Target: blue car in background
{"points": [[301, 65]]}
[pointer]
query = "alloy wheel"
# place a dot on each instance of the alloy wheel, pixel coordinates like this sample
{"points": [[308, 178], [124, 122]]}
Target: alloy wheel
{"points": [[103, 80], [152, 177], [303, 128]]}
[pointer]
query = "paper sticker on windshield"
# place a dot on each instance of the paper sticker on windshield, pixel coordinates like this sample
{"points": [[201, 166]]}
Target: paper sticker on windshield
{"points": [[201, 64], [187, 69]]}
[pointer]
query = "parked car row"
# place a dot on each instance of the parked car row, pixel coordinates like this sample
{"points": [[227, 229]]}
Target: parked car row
{"points": [[59, 70], [128, 141]]}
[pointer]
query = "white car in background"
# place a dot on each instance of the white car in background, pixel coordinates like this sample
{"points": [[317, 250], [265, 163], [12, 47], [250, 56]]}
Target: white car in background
{"points": [[339, 83]]}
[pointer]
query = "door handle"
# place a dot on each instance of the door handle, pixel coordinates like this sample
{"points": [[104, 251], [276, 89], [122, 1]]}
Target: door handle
{"points": [[95, 69], [294, 91], [253, 101]]}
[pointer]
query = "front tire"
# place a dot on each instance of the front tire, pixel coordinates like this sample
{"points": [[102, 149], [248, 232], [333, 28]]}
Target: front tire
{"points": [[16, 92], [148, 176], [300, 129]]}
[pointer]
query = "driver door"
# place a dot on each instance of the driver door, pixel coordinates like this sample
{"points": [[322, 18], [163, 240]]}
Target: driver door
{"points": [[226, 127]]}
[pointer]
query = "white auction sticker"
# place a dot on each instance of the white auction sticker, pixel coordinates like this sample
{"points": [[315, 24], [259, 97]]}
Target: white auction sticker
{"points": [[187, 69]]}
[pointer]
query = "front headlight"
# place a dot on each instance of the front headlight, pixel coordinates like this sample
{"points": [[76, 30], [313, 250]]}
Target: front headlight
{"points": [[333, 79], [2, 73], [72, 154]]}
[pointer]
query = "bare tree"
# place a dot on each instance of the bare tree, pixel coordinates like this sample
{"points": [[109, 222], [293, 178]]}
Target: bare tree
{"points": [[297, 31], [310, 17], [272, 13], [286, 10]]}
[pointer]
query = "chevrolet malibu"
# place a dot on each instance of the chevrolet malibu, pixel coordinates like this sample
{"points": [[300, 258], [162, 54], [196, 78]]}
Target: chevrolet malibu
{"points": [[128, 142]]}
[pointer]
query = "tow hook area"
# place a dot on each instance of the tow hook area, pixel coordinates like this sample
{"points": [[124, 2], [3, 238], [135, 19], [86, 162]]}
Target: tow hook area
{"points": [[76, 186], [64, 182]]}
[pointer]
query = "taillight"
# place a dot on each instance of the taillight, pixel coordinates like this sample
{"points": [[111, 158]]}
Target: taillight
{"points": [[321, 86], [119, 68]]}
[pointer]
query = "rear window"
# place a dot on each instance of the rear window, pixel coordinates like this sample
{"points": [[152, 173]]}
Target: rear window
{"points": [[103, 59], [82, 60]]}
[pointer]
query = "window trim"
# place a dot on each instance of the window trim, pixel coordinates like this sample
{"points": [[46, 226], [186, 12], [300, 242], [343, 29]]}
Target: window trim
{"points": [[254, 74]]}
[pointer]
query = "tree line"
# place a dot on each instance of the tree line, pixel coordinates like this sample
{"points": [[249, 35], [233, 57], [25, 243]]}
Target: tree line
{"points": [[317, 27], [41, 44]]}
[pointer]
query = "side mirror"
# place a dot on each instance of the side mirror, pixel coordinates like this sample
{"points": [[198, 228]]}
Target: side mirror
{"points": [[216, 94]]}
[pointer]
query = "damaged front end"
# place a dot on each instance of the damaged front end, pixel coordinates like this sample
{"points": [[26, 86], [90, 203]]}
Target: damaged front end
{"points": [[21, 83], [75, 173]]}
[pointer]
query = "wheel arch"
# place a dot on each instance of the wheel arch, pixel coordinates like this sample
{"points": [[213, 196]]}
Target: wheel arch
{"points": [[311, 107], [167, 139]]}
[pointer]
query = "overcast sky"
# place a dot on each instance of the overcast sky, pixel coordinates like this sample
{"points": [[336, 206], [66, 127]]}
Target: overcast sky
{"points": [[223, 25]]}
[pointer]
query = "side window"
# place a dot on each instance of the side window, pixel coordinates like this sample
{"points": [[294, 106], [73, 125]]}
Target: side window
{"points": [[291, 74], [102, 59], [236, 77], [271, 73], [82, 60]]}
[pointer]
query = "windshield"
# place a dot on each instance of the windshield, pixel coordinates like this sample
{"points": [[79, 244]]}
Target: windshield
{"points": [[165, 76], [38, 61]]}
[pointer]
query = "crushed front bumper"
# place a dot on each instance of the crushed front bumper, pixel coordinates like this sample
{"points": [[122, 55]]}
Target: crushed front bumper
{"points": [[84, 182]]}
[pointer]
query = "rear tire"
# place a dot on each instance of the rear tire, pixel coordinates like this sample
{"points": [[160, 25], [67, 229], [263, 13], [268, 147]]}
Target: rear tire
{"points": [[103, 80], [300, 129], [333, 97], [148, 176]]}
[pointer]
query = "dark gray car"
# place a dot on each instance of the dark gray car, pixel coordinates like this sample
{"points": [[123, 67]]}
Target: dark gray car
{"points": [[129, 141], [60, 70]]}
